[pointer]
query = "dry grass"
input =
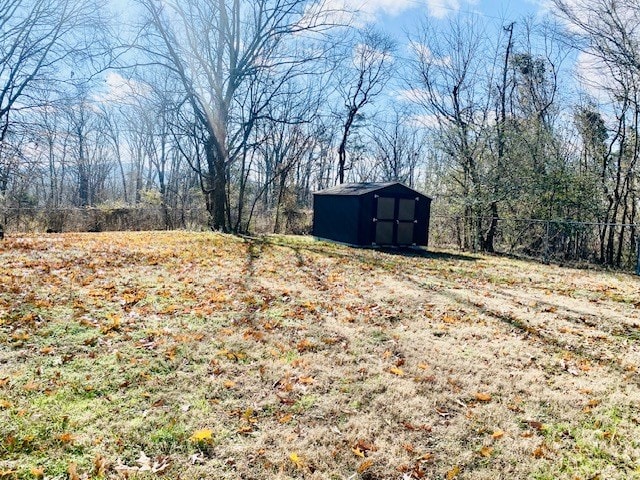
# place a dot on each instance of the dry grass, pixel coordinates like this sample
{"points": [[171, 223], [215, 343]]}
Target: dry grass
{"points": [[220, 358]]}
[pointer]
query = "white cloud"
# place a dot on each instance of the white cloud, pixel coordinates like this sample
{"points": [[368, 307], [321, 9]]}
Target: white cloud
{"points": [[355, 12], [427, 121], [442, 8], [594, 77], [593, 14], [120, 90], [363, 12], [426, 56], [413, 95]]}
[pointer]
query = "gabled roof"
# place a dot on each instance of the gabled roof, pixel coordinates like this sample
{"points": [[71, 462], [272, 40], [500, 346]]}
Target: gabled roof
{"points": [[357, 188]]}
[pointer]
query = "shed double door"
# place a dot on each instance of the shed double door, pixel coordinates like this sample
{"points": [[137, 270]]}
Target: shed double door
{"points": [[395, 220]]}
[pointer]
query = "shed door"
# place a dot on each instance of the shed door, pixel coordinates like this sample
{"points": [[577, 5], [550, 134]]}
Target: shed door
{"points": [[395, 220]]}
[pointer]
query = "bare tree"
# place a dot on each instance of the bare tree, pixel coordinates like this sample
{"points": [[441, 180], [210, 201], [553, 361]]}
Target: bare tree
{"points": [[398, 147], [365, 75], [88, 148], [218, 50], [608, 29], [41, 40], [451, 79], [608, 32]]}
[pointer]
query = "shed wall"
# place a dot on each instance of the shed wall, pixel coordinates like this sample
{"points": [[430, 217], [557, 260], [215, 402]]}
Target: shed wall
{"points": [[336, 217]]}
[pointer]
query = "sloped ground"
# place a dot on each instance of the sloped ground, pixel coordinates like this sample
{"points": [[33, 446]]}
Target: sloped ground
{"points": [[195, 355]]}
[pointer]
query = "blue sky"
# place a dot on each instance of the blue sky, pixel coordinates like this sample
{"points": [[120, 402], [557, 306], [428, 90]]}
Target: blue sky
{"points": [[398, 15]]}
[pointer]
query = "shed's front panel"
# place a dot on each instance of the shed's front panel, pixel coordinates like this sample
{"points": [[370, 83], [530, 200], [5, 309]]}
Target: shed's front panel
{"points": [[395, 221]]}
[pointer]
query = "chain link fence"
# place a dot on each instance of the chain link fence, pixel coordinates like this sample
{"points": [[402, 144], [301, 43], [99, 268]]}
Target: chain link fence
{"points": [[102, 219], [558, 241]]}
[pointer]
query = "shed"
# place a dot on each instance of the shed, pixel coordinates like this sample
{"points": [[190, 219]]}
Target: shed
{"points": [[372, 213]]}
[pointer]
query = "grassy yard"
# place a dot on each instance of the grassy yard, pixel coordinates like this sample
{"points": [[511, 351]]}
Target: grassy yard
{"points": [[196, 355]]}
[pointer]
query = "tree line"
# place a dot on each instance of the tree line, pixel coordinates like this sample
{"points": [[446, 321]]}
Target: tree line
{"points": [[243, 108]]}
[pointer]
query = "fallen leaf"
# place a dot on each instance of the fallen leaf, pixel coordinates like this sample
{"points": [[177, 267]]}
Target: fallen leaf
{"points": [[304, 345], [396, 371], [158, 465], [31, 387], [428, 456], [486, 451], [538, 452], [285, 418], [365, 446], [229, 384], [37, 472], [536, 425], [585, 366], [497, 435], [66, 438], [415, 428], [453, 473], [365, 466], [99, 466], [72, 470], [409, 448], [357, 451], [296, 460], [483, 397], [442, 412], [203, 435]]}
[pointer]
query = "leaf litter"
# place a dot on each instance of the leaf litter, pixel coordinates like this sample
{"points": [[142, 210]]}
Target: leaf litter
{"points": [[301, 359]]}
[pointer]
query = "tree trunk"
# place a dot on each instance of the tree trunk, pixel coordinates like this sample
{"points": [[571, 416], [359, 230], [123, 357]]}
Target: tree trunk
{"points": [[217, 191], [493, 228]]}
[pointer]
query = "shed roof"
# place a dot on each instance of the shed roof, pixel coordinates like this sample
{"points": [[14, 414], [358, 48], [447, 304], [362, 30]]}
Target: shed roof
{"points": [[358, 188]]}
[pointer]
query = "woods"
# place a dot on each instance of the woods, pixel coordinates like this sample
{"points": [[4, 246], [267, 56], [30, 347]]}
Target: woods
{"points": [[228, 114]]}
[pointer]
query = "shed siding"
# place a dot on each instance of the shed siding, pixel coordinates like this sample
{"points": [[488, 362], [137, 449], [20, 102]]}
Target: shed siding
{"points": [[335, 217]]}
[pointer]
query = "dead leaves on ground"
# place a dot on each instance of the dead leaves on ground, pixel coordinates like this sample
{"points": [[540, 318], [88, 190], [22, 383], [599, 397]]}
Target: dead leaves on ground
{"points": [[482, 397], [226, 319], [145, 464]]}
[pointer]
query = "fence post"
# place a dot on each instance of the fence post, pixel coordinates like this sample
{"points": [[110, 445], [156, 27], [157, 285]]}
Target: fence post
{"points": [[546, 242], [638, 256]]}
